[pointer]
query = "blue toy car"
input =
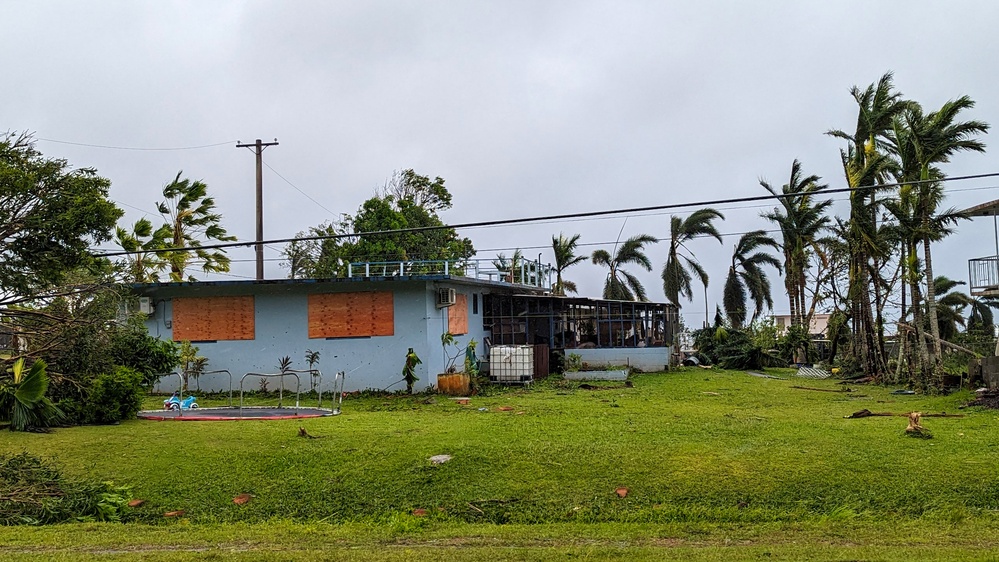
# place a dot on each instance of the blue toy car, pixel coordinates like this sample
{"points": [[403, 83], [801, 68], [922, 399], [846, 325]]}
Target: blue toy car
{"points": [[174, 403]]}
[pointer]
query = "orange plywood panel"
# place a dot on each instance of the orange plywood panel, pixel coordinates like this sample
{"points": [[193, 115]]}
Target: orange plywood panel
{"points": [[457, 315], [351, 315], [213, 318]]}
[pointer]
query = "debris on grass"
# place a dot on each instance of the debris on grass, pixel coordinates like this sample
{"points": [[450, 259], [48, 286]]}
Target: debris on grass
{"points": [[177, 513], [505, 408], [847, 389], [420, 512], [303, 433], [439, 459], [136, 503], [865, 413], [621, 492], [242, 499]]}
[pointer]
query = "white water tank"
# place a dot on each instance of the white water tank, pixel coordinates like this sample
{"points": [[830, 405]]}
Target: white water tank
{"points": [[511, 364]]}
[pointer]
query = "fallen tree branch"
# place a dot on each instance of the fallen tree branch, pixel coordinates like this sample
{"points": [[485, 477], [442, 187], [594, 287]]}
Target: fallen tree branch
{"points": [[943, 342], [868, 414]]}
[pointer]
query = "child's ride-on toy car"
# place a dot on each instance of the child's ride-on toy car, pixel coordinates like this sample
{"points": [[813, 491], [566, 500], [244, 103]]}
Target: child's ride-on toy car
{"points": [[174, 403]]}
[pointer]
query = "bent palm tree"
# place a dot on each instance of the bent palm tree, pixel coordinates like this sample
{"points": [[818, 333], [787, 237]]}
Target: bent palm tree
{"points": [[746, 275], [191, 216], [800, 219], [620, 284], [676, 276], [565, 257]]}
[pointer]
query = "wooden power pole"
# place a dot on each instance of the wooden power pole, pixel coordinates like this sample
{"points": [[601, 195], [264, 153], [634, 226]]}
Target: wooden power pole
{"points": [[258, 149]]}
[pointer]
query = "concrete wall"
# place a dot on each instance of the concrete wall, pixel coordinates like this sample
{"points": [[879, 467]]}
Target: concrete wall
{"points": [[648, 359], [281, 328]]}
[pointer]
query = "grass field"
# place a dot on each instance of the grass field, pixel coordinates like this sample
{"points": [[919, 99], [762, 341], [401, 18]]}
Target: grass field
{"points": [[717, 465]]}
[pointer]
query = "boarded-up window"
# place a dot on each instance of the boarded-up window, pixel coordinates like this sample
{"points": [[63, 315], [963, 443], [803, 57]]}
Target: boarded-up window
{"points": [[351, 315], [213, 318], [457, 315]]}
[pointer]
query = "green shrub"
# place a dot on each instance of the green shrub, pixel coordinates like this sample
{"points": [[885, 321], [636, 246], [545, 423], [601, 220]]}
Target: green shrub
{"points": [[115, 396], [131, 346], [33, 492]]}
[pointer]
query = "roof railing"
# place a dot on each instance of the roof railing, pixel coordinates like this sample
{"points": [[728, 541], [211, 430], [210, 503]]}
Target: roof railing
{"points": [[527, 273], [983, 275]]}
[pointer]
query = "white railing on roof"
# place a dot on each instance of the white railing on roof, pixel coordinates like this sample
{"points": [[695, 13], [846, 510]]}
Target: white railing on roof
{"points": [[529, 273]]}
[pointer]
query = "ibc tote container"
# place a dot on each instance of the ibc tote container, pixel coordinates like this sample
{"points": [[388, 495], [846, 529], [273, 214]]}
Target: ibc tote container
{"points": [[511, 364]]}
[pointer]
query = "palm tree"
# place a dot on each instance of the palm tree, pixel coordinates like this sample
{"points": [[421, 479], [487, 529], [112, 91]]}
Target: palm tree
{"points": [[865, 166], [746, 275], [922, 142], [191, 217], [676, 276], [620, 284], [143, 265], [22, 398], [950, 306], [565, 257], [800, 219], [511, 267]]}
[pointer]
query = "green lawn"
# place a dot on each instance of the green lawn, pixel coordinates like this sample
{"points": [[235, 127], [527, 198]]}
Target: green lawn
{"points": [[718, 465]]}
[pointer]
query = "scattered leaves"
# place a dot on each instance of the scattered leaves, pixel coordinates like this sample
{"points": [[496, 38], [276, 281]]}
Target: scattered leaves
{"points": [[177, 513], [241, 499], [136, 503], [621, 492], [420, 512]]}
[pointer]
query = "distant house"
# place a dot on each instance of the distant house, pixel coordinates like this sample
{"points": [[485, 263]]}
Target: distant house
{"points": [[818, 327], [365, 323]]}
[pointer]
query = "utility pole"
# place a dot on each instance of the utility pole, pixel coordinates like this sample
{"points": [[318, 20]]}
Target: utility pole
{"points": [[258, 149]]}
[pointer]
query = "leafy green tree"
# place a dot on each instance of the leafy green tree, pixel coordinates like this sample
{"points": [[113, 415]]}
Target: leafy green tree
{"points": [[801, 220], [50, 216], [621, 285], [143, 264], [191, 218], [410, 201], [676, 276], [565, 257], [746, 275]]}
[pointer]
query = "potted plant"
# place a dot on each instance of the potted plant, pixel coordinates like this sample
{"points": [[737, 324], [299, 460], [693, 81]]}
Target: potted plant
{"points": [[452, 381]]}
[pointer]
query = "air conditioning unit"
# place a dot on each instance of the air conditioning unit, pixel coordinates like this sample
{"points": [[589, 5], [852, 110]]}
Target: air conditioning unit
{"points": [[146, 305], [445, 297]]}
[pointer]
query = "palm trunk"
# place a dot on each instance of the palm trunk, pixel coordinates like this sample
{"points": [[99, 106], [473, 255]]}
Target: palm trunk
{"points": [[931, 302]]}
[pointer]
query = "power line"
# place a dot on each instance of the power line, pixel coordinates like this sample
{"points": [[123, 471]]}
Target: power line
{"points": [[286, 180], [162, 149], [544, 218]]}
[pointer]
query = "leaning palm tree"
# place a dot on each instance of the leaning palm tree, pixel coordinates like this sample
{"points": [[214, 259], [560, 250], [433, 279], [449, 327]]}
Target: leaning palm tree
{"points": [[565, 257], [191, 218], [950, 306], [921, 142], [620, 284], [676, 276], [747, 278], [801, 219]]}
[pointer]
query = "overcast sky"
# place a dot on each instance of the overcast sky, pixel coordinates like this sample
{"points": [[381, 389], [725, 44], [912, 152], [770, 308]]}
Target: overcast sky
{"points": [[525, 108]]}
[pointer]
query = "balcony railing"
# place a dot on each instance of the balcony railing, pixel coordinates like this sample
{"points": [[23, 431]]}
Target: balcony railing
{"points": [[528, 273], [983, 275]]}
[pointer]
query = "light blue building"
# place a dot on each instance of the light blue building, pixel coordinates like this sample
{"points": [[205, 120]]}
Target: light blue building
{"points": [[364, 324]]}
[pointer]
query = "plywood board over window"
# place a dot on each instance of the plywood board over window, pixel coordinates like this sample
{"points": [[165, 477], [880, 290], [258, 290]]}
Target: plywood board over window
{"points": [[213, 318], [351, 315], [457, 315]]}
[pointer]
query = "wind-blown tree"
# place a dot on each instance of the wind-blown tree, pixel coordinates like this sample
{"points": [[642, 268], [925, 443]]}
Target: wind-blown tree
{"points": [[621, 285], [191, 217], [801, 220], [511, 266], [747, 278], [950, 306], [565, 257], [676, 276], [921, 142], [143, 264], [866, 165], [408, 201]]}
